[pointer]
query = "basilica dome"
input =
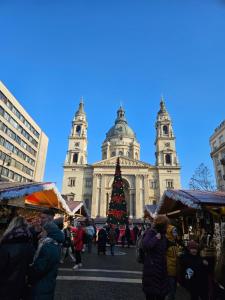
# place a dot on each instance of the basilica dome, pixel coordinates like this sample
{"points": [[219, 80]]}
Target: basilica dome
{"points": [[120, 129]]}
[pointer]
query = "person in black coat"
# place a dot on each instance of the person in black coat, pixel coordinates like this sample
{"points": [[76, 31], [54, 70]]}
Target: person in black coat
{"points": [[128, 235], [193, 273], [102, 239], [16, 253]]}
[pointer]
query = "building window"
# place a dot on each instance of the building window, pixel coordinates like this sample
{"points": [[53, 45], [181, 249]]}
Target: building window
{"points": [[77, 145], [168, 159], [88, 182], [72, 181], [6, 101], [153, 184], [113, 153], [169, 184], [75, 157], [120, 153], [165, 130], [78, 128]]}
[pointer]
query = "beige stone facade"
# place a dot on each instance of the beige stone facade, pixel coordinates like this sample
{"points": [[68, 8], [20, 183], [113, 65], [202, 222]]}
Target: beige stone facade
{"points": [[217, 144], [23, 145], [143, 183]]}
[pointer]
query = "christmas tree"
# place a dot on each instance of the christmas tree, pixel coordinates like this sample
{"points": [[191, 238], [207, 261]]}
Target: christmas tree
{"points": [[117, 213]]}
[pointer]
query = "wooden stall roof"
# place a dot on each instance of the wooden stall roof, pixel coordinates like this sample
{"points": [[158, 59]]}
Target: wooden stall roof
{"points": [[35, 194], [75, 206], [173, 200], [150, 210]]}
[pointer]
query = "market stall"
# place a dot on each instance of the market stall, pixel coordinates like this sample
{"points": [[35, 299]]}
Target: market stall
{"points": [[29, 198], [200, 215]]}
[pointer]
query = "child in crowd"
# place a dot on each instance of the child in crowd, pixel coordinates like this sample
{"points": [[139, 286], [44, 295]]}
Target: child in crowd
{"points": [[193, 272]]}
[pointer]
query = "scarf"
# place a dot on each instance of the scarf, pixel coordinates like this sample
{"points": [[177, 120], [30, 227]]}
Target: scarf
{"points": [[41, 243]]}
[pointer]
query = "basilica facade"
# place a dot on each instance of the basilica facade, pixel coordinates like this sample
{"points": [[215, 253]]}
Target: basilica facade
{"points": [[144, 183]]}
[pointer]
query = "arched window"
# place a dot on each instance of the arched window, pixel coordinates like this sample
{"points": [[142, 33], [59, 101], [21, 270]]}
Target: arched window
{"points": [[113, 153], [75, 158], [168, 159], [78, 128], [128, 154], [165, 130], [104, 155], [120, 153]]}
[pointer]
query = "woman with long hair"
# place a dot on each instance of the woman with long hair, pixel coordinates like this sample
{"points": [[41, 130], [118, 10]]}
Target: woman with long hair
{"points": [[16, 253]]}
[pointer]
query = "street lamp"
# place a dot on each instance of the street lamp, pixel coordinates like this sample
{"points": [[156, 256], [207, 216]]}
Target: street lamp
{"points": [[6, 161]]}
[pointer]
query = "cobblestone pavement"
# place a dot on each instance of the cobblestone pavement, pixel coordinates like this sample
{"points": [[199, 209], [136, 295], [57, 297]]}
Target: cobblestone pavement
{"points": [[103, 278]]}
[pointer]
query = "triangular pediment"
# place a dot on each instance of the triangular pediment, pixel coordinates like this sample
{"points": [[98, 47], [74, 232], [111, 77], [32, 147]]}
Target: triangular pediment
{"points": [[124, 162]]}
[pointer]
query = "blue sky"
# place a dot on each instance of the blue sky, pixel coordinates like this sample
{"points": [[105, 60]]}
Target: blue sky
{"points": [[129, 51]]}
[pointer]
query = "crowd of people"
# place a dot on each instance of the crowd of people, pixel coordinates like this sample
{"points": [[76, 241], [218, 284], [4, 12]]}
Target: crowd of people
{"points": [[30, 253], [165, 266], [31, 250], [29, 256]]}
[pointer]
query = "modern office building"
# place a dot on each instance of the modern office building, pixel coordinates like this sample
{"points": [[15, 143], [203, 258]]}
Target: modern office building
{"points": [[144, 183], [23, 144], [217, 143]]}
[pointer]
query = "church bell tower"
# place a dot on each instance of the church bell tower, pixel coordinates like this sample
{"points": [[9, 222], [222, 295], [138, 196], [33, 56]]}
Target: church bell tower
{"points": [[77, 149], [165, 140], [167, 162]]}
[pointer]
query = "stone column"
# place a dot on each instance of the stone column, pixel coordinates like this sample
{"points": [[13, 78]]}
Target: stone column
{"points": [[137, 192], [99, 194], [142, 199], [146, 190], [94, 207], [131, 205], [102, 197]]}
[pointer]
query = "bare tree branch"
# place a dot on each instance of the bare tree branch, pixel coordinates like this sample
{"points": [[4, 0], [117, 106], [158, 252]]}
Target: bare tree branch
{"points": [[202, 179]]}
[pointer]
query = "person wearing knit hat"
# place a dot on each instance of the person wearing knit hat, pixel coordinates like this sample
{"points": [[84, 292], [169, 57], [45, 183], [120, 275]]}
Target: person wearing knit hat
{"points": [[193, 272]]}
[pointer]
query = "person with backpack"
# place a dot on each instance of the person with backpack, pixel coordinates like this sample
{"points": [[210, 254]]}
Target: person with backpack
{"points": [[90, 232], [155, 278]]}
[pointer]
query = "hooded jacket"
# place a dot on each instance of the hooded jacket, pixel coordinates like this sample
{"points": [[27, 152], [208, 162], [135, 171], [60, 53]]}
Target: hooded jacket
{"points": [[45, 266]]}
